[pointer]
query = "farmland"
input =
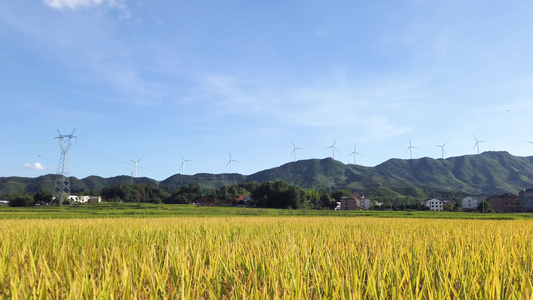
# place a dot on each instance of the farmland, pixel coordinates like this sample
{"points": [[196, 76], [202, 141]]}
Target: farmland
{"points": [[147, 210], [260, 257]]}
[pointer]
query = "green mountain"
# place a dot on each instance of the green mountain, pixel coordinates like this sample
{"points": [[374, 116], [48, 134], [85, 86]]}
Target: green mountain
{"points": [[489, 172], [319, 173]]}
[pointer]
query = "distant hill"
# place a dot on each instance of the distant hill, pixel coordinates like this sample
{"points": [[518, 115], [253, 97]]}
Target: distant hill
{"points": [[489, 172]]}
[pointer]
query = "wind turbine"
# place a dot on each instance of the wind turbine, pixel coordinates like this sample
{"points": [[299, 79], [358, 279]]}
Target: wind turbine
{"points": [[294, 149], [136, 165], [476, 145], [183, 160], [410, 149], [333, 148], [442, 147], [355, 153], [231, 160]]}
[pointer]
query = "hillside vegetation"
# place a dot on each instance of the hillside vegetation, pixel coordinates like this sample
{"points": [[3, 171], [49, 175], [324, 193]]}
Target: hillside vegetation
{"points": [[489, 172]]}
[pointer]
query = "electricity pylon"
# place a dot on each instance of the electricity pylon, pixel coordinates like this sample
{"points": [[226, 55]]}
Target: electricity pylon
{"points": [[62, 185]]}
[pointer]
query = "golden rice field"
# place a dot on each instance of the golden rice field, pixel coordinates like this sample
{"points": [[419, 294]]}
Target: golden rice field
{"points": [[266, 258]]}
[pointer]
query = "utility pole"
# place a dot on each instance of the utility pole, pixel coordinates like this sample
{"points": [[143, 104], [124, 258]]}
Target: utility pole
{"points": [[62, 184]]}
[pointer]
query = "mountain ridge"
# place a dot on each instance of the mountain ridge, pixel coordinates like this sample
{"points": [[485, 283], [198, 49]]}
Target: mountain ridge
{"points": [[489, 172]]}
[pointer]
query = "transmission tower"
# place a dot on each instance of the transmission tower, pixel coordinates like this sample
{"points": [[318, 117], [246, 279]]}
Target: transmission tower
{"points": [[62, 186]]}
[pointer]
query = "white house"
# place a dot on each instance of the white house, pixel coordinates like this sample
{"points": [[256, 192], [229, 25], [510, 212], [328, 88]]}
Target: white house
{"points": [[433, 204], [78, 199], [471, 202], [364, 203], [84, 199]]}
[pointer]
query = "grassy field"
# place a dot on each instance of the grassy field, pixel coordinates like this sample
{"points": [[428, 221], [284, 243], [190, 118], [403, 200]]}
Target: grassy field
{"points": [[118, 210], [265, 257]]}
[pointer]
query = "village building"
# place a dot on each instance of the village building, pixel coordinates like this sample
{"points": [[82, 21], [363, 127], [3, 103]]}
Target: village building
{"points": [[433, 204], [348, 203], [95, 199], [244, 201], [84, 199], [525, 200], [472, 202], [364, 203], [504, 203]]}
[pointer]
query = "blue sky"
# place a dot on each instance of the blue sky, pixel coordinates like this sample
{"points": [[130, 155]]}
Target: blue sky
{"points": [[158, 79]]}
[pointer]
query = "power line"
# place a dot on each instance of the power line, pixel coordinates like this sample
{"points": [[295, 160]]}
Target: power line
{"points": [[87, 151]]}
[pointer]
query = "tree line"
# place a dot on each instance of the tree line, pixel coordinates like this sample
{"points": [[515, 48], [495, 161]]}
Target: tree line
{"points": [[272, 194]]}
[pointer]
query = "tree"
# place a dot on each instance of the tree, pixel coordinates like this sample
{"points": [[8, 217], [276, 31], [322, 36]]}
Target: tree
{"points": [[134, 193], [484, 207], [279, 194], [456, 206], [327, 201], [338, 194], [447, 207], [313, 196], [43, 197], [20, 199], [185, 195], [373, 204]]}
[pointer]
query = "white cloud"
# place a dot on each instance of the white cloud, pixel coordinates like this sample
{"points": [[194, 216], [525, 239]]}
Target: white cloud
{"points": [[75, 4], [379, 110], [35, 166]]}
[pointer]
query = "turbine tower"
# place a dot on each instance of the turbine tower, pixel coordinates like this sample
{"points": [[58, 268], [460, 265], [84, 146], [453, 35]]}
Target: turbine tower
{"points": [[333, 148], [183, 160], [355, 153], [230, 162], [410, 149], [442, 148], [62, 184], [476, 145], [136, 165], [294, 149]]}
